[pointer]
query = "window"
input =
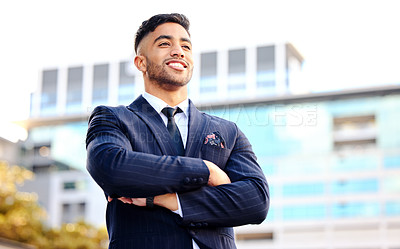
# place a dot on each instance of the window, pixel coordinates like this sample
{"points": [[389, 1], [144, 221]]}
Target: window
{"points": [[100, 84], [303, 189], [81, 209], [208, 72], [66, 213], [74, 89], [354, 132], [271, 213], [266, 67], [237, 70], [74, 185], [392, 208], [71, 212], [391, 162], [126, 83], [355, 210], [357, 162], [355, 186], [304, 212], [49, 92], [294, 62], [69, 185]]}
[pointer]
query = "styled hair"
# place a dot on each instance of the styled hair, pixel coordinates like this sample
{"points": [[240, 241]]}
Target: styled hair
{"points": [[151, 24]]}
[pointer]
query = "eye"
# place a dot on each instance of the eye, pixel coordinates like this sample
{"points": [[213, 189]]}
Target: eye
{"points": [[163, 44], [187, 47]]}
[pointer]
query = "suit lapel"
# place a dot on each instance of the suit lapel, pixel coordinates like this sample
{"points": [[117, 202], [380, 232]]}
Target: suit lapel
{"points": [[198, 125], [153, 120]]}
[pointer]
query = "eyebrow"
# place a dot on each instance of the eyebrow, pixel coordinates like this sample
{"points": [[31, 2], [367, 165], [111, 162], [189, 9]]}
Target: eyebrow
{"points": [[168, 37]]}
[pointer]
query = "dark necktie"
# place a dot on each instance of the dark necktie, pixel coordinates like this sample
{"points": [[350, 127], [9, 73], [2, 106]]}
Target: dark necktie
{"points": [[173, 130]]}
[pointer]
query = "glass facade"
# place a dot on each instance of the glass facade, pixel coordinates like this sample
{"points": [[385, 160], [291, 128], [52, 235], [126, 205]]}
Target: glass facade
{"points": [[391, 162], [303, 189], [48, 101], [74, 90], [100, 84], [222, 75], [64, 140], [306, 212], [126, 87], [236, 70], [266, 67], [295, 144], [355, 186], [356, 209], [392, 208], [208, 72]]}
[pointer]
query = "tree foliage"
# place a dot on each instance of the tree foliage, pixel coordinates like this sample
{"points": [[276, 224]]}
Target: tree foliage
{"points": [[22, 219]]}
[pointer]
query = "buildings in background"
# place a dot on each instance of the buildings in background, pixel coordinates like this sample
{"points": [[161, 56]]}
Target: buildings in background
{"points": [[333, 165], [234, 75], [332, 159], [55, 149], [8, 151]]}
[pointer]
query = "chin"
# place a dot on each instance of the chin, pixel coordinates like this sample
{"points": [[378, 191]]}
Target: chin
{"points": [[172, 86]]}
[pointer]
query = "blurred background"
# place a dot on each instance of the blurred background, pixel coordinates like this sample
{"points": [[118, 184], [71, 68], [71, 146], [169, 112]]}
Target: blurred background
{"points": [[314, 85]]}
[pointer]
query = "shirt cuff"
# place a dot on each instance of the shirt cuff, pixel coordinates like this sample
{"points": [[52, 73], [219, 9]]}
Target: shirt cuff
{"points": [[179, 211]]}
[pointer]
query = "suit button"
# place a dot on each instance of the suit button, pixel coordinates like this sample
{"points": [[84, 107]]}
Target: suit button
{"points": [[193, 233], [205, 224], [194, 180], [186, 180], [192, 225], [201, 179]]}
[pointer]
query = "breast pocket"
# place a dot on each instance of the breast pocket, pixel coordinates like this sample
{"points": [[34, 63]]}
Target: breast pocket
{"points": [[215, 154]]}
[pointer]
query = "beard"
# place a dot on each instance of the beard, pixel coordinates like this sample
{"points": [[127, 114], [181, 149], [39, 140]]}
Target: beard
{"points": [[166, 80]]}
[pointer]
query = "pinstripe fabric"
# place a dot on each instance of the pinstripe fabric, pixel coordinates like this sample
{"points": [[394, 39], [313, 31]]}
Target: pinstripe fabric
{"points": [[130, 154]]}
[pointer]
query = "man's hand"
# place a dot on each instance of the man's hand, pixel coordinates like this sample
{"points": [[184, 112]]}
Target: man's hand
{"points": [[217, 175], [168, 201], [136, 201]]}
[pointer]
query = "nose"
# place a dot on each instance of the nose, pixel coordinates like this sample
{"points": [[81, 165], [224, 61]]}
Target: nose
{"points": [[177, 52]]}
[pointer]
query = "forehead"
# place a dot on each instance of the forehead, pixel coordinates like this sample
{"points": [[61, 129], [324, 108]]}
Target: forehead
{"points": [[174, 30]]}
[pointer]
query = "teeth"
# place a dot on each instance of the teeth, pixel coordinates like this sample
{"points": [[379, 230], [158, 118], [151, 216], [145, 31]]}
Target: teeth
{"points": [[176, 65]]}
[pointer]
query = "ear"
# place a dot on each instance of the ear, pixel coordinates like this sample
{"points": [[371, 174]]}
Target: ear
{"points": [[140, 63]]}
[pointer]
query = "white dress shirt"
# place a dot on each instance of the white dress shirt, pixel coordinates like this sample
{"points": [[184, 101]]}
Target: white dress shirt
{"points": [[181, 120]]}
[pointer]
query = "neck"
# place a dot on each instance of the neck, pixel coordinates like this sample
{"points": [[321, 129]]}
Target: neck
{"points": [[172, 96]]}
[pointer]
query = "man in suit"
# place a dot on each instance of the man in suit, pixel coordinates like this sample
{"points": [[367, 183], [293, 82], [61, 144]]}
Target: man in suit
{"points": [[174, 177]]}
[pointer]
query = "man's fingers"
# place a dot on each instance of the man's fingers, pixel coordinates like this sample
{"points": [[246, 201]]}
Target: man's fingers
{"points": [[125, 200], [109, 199], [136, 201]]}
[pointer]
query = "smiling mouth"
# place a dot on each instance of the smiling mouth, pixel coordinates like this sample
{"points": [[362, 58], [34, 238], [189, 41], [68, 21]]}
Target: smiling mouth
{"points": [[177, 65]]}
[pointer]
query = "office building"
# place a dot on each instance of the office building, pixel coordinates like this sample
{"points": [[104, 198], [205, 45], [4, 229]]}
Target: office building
{"points": [[332, 159]]}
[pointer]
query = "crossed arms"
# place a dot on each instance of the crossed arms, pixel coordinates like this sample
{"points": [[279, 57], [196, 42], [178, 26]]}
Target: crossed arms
{"points": [[217, 177], [124, 173]]}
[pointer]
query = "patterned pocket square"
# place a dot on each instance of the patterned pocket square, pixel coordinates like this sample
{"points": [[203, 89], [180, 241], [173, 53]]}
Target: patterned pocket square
{"points": [[215, 139]]}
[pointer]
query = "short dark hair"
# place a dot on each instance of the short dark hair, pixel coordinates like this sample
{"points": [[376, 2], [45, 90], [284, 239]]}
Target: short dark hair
{"points": [[151, 24]]}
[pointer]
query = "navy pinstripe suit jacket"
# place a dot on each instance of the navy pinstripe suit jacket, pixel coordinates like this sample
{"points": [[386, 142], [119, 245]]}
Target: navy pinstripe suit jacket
{"points": [[130, 154]]}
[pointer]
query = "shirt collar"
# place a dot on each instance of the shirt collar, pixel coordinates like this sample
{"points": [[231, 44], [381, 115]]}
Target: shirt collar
{"points": [[158, 104]]}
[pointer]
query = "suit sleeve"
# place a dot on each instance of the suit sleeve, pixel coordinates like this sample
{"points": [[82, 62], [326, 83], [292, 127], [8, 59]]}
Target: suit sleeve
{"points": [[244, 201], [120, 171]]}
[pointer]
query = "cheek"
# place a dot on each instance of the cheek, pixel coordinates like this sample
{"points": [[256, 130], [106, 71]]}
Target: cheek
{"points": [[189, 59]]}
